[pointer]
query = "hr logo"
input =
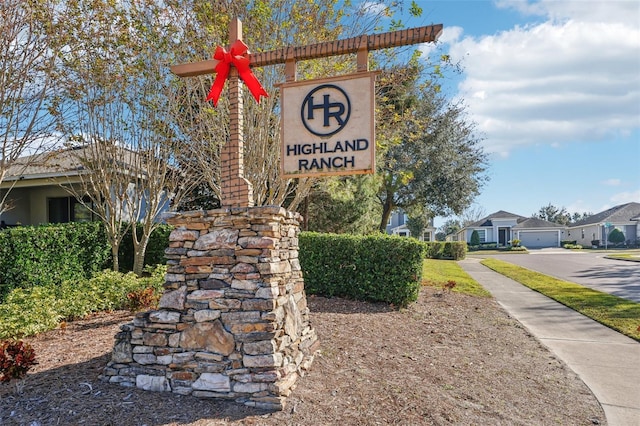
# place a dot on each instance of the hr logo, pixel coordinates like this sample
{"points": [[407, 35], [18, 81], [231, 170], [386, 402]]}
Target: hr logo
{"points": [[325, 110]]}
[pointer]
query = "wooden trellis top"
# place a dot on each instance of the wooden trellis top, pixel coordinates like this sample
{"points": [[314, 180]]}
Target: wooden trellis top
{"points": [[322, 50]]}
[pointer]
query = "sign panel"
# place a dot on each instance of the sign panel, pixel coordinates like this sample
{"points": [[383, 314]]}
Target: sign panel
{"points": [[328, 126]]}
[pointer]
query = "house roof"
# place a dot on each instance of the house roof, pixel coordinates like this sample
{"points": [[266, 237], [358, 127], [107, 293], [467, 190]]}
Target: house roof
{"points": [[534, 222], [623, 213], [488, 221], [60, 162]]}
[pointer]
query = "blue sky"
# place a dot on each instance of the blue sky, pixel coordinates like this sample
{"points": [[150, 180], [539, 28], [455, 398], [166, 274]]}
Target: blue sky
{"points": [[554, 87]]}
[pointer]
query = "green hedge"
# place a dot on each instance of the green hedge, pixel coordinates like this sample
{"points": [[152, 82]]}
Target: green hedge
{"points": [[455, 250], [50, 254], [484, 246], [373, 268]]}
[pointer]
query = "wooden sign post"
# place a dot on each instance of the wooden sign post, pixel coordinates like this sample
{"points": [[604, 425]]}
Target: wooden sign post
{"points": [[236, 190]]}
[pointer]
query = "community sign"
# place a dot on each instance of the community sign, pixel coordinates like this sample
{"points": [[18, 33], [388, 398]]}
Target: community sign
{"points": [[328, 126]]}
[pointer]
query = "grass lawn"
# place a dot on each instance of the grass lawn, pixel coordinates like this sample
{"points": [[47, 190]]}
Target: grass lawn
{"points": [[615, 312], [633, 256], [437, 273]]}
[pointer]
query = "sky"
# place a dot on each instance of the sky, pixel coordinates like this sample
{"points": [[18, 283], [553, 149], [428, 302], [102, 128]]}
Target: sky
{"points": [[554, 88]]}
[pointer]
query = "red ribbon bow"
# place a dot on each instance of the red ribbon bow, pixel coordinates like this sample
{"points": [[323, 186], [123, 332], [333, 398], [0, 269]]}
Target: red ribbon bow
{"points": [[239, 57]]}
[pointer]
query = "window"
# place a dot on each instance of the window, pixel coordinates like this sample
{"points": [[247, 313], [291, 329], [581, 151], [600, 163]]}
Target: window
{"points": [[403, 233], [68, 209], [482, 233], [583, 234], [426, 236]]}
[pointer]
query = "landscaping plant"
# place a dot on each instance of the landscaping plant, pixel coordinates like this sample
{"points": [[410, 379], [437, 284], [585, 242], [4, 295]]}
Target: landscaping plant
{"points": [[16, 358], [27, 312]]}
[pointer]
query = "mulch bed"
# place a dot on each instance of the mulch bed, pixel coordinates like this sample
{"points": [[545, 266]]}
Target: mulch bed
{"points": [[447, 359]]}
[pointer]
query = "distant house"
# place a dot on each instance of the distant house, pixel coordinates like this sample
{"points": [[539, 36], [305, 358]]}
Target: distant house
{"points": [[398, 226], [503, 227], [36, 184], [596, 228]]}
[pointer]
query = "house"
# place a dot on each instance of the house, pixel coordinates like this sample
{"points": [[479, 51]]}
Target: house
{"points": [[596, 228], [34, 187], [503, 227], [397, 225]]}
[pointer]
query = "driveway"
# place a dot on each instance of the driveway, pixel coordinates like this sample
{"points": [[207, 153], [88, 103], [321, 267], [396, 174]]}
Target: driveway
{"points": [[586, 268]]}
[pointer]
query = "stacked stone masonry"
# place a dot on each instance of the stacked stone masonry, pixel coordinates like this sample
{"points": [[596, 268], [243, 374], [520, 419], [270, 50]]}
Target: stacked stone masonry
{"points": [[233, 320]]}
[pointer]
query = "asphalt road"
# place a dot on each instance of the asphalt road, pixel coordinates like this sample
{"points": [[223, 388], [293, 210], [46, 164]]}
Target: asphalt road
{"points": [[586, 268]]}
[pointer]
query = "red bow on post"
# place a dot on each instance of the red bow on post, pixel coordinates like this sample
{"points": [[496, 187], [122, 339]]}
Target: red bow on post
{"points": [[239, 57]]}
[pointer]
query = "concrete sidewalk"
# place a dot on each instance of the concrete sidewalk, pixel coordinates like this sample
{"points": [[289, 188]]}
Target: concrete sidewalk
{"points": [[606, 361]]}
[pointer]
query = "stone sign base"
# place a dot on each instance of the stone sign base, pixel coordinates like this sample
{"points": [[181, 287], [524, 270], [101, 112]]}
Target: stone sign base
{"points": [[233, 320]]}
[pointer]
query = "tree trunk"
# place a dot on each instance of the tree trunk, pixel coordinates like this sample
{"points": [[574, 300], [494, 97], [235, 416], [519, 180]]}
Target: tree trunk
{"points": [[387, 208], [115, 248], [139, 251]]}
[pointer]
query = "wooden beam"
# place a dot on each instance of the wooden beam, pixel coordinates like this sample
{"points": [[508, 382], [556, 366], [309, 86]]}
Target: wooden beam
{"points": [[322, 50]]}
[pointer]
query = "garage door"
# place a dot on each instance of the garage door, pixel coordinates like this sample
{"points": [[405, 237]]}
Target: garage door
{"points": [[539, 239]]}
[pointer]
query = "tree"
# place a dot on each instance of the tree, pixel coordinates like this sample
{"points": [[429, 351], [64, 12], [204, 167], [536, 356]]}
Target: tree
{"points": [[576, 217], [115, 88], [26, 89], [450, 227], [417, 224], [554, 214], [471, 215], [344, 204], [560, 215], [430, 156]]}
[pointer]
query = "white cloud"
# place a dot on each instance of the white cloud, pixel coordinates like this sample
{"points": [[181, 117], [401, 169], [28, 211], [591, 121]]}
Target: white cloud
{"points": [[581, 206], [575, 77], [612, 182], [449, 35], [625, 197], [583, 10]]}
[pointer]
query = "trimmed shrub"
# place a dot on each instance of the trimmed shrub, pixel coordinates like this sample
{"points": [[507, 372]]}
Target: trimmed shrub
{"points": [[616, 236], [571, 246], [488, 246], [50, 254], [483, 246], [475, 238], [455, 250], [434, 249], [377, 268], [513, 248]]}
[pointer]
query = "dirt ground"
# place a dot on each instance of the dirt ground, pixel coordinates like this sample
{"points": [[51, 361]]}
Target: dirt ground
{"points": [[447, 359]]}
